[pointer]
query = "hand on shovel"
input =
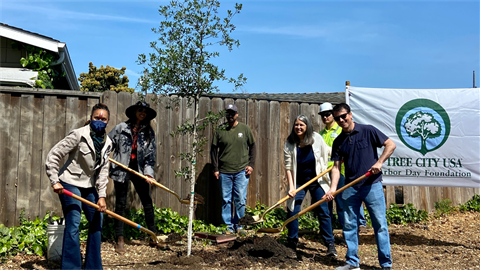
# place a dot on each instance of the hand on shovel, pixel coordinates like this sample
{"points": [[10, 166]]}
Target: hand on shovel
{"points": [[58, 188]]}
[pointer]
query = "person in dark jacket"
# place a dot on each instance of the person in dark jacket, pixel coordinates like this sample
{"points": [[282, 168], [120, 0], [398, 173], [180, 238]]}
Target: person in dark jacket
{"points": [[134, 145]]}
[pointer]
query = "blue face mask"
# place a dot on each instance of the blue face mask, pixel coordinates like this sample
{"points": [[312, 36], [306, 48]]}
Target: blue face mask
{"points": [[98, 126]]}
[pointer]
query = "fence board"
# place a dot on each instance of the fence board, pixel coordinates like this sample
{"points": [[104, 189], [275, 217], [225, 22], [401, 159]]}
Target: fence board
{"points": [[214, 198], [253, 194], [262, 148], [175, 163], [12, 150], [274, 154], [37, 160], [24, 193], [389, 195], [283, 134], [72, 120], [48, 199], [4, 99], [163, 151], [153, 124], [204, 177]]}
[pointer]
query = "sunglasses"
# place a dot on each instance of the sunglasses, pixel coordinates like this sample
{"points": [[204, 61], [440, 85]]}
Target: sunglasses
{"points": [[326, 114], [343, 116], [141, 110]]}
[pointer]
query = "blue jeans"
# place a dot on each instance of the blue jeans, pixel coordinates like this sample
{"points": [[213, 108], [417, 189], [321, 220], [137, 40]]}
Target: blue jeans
{"points": [[341, 206], [72, 210], [234, 190], [322, 212], [374, 199]]}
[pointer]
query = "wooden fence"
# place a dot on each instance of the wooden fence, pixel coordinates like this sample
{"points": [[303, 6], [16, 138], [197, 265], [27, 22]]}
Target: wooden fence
{"points": [[32, 121]]}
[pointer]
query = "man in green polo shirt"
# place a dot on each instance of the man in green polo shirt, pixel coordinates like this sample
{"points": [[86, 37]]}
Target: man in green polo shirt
{"points": [[329, 133], [233, 158]]}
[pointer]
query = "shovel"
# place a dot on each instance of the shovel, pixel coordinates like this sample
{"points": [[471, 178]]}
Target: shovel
{"points": [[259, 219], [154, 182], [154, 237], [311, 207]]}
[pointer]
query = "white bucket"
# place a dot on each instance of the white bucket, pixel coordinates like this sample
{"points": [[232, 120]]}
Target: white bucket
{"points": [[55, 241]]}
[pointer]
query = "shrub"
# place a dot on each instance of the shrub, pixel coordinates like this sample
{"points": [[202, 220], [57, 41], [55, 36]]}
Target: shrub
{"points": [[471, 205], [405, 214], [444, 207]]}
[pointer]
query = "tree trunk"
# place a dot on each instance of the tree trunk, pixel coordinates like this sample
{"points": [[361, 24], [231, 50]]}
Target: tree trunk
{"points": [[192, 177]]}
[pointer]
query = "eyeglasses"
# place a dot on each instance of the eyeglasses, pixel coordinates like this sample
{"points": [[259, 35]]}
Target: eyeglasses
{"points": [[326, 114], [343, 116], [141, 110]]}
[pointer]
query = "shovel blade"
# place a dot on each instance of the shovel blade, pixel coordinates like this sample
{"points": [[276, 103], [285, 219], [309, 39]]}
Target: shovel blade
{"points": [[269, 230]]}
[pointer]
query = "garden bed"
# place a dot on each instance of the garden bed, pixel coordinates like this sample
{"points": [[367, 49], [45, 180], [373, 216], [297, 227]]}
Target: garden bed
{"points": [[450, 242]]}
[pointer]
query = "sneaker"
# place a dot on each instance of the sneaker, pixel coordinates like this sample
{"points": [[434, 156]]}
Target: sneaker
{"points": [[387, 268], [347, 267], [331, 251]]}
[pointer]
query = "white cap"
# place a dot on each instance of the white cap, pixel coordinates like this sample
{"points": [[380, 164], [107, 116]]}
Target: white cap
{"points": [[325, 107]]}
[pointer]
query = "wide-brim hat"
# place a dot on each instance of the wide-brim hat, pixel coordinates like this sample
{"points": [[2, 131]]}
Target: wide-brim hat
{"points": [[131, 111]]}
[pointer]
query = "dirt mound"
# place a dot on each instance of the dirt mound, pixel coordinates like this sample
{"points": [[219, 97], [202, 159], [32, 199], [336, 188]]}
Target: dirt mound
{"points": [[250, 251], [246, 220], [174, 237]]}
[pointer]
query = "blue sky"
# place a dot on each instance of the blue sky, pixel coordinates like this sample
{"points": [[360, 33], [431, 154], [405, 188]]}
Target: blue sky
{"points": [[286, 46]]}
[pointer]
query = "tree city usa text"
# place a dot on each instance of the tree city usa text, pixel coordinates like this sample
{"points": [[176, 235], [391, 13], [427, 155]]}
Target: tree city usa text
{"points": [[425, 163]]}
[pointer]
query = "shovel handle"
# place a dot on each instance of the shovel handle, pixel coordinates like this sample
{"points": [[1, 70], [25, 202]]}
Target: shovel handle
{"points": [[297, 190], [141, 175], [112, 214], [311, 207]]}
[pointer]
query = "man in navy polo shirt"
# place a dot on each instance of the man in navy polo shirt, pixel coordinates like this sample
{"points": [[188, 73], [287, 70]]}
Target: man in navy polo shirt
{"points": [[357, 147]]}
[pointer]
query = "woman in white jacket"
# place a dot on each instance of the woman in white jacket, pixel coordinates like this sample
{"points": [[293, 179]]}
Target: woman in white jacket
{"points": [[306, 156]]}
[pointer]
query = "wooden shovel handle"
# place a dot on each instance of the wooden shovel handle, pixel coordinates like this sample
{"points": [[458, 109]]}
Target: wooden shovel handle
{"points": [[112, 214], [311, 207], [142, 176], [297, 190]]}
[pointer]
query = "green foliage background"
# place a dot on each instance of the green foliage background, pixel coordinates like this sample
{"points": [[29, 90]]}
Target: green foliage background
{"points": [[103, 79]]}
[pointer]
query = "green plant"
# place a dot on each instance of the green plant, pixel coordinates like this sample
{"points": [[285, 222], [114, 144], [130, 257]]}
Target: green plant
{"points": [[40, 60], [29, 238], [103, 79], [276, 218], [404, 214], [444, 207], [166, 220], [471, 205]]}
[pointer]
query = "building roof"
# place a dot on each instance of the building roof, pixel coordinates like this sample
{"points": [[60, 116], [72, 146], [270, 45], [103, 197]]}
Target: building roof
{"points": [[316, 98], [16, 76], [46, 43]]}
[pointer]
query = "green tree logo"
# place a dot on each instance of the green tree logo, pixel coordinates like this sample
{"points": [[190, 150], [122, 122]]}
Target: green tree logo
{"points": [[422, 125]]}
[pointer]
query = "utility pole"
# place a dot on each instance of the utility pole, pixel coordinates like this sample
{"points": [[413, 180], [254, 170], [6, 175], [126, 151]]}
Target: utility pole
{"points": [[474, 79]]}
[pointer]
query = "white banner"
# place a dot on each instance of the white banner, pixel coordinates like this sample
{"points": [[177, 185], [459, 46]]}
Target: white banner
{"points": [[437, 133]]}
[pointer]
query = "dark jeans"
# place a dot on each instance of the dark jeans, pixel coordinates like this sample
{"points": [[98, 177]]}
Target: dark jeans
{"points": [[72, 210], [143, 191], [322, 212]]}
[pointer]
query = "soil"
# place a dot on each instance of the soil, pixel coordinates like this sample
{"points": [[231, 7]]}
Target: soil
{"points": [[246, 220], [451, 242]]}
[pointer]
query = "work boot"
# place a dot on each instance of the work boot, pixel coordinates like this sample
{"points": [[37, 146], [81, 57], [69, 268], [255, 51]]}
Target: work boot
{"points": [[292, 243], [120, 247]]}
